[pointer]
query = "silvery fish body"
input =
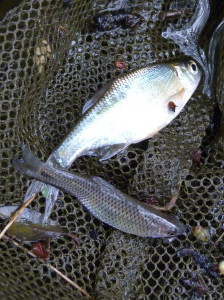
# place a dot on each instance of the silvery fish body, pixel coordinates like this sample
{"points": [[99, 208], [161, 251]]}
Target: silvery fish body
{"points": [[130, 109], [104, 201]]}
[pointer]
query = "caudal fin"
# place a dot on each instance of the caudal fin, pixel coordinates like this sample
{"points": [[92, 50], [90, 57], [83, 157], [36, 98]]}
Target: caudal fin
{"points": [[49, 192], [30, 165]]}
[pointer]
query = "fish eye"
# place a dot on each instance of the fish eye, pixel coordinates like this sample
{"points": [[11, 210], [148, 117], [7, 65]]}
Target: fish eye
{"points": [[193, 67]]}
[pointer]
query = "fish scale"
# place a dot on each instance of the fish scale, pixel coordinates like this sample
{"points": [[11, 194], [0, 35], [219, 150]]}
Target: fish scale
{"points": [[104, 201], [139, 93]]}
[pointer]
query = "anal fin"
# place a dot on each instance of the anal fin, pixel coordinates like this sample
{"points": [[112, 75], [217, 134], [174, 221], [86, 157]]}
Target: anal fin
{"points": [[109, 151], [106, 152]]}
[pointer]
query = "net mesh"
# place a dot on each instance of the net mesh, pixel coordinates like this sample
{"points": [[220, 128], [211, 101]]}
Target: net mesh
{"points": [[53, 58]]}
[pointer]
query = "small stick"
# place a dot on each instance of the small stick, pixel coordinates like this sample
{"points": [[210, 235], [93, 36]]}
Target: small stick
{"points": [[172, 201], [63, 29], [221, 236], [19, 211], [168, 206], [21, 247], [69, 281], [51, 267]]}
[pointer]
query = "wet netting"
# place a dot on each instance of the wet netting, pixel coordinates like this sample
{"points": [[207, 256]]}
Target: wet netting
{"points": [[55, 55]]}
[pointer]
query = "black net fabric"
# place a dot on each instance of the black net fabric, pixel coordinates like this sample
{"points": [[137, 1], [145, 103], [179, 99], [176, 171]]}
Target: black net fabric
{"points": [[53, 59]]}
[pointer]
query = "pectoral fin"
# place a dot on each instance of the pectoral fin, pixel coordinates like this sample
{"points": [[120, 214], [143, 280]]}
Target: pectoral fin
{"points": [[96, 97]]}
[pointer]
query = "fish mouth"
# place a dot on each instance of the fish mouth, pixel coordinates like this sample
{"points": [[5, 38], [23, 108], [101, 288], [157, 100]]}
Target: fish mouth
{"points": [[179, 229]]}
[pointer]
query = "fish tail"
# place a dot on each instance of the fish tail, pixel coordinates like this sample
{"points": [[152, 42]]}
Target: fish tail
{"points": [[30, 165]]}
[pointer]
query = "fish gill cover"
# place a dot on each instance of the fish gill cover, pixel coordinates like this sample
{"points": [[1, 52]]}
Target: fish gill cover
{"points": [[54, 57]]}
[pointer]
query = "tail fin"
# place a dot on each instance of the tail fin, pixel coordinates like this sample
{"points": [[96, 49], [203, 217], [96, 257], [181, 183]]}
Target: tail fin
{"points": [[31, 165], [49, 192]]}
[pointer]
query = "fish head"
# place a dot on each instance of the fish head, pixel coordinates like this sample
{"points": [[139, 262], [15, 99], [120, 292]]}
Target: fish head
{"points": [[189, 74], [170, 227], [160, 224]]}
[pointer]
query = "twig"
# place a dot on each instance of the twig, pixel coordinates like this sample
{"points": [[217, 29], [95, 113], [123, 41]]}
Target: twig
{"points": [[21, 247], [169, 205], [70, 281], [19, 211], [221, 236], [172, 201], [63, 28], [51, 267]]}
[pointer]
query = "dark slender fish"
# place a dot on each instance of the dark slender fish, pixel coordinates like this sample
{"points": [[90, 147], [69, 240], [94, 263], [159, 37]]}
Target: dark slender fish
{"points": [[103, 201]]}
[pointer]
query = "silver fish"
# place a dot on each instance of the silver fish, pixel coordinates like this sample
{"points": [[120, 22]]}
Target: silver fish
{"points": [[128, 110], [103, 201]]}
